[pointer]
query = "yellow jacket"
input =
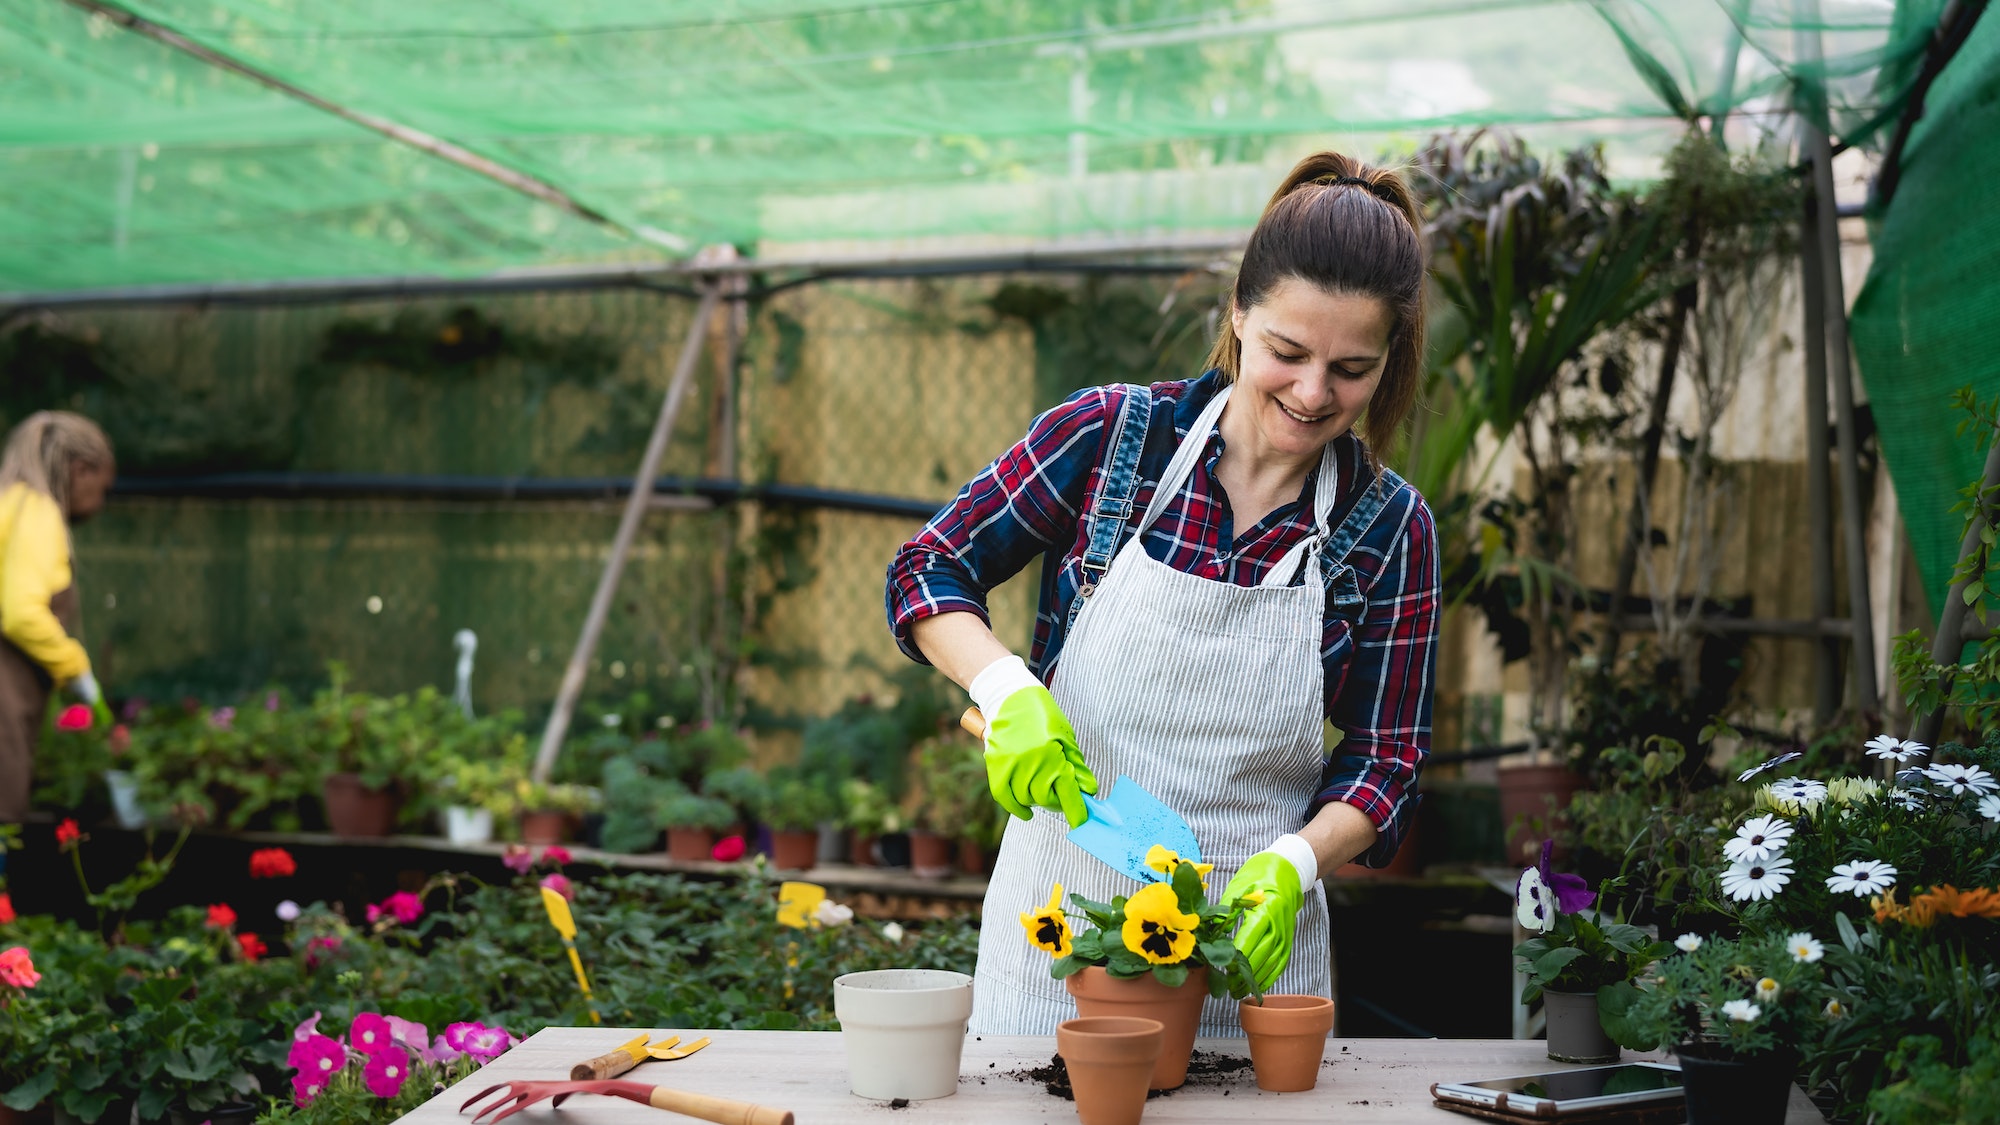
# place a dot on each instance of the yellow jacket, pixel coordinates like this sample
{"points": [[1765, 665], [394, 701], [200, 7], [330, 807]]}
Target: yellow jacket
{"points": [[34, 567]]}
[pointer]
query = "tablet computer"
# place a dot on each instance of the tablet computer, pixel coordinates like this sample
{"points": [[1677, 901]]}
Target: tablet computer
{"points": [[1585, 1091]]}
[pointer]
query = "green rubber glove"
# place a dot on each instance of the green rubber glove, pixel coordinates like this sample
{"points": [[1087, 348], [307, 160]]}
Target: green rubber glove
{"points": [[101, 712], [1266, 932], [1032, 760]]}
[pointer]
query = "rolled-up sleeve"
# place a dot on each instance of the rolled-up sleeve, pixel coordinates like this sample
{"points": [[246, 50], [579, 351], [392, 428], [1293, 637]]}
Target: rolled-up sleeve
{"points": [[1383, 707], [1019, 506]]}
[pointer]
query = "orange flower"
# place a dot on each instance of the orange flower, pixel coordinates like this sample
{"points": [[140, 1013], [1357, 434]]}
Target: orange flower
{"points": [[1887, 908], [1939, 901]]}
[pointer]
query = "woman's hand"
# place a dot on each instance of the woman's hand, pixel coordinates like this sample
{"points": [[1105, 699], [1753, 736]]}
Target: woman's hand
{"points": [[1032, 760], [1277, 877]]}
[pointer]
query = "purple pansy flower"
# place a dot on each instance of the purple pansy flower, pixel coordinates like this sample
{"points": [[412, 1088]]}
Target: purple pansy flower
{"points": [[1571, 892]]}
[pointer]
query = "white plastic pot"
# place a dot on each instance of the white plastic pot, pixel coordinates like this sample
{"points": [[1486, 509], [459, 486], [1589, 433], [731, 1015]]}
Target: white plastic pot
{"points": [[467, 826], [904, 1030], [125, 799]]}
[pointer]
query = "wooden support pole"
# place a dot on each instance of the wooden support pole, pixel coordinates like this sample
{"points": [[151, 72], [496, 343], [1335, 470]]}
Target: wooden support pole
{"points": [[621, 544], [1819, 491], [1951, 631]]}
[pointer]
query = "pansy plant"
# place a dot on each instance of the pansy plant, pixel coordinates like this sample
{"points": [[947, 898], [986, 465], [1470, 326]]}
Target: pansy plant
{"points": [[1165, 929], [1573, 951]]}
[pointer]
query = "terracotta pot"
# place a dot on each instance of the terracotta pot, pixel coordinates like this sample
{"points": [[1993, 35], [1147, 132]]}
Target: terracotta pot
{"points": [[1098, 993], [1287, 1039], [1536, 794], [861, 849], [930, 855], [1752, 1091], [1575, 1035], [971, 857], [540, 829], [690, 843], [353, 809], [794, 851], [1110, 1060]]}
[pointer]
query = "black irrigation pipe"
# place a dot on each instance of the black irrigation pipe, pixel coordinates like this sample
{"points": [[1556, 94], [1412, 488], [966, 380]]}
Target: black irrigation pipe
{"points": [[385, 486]]}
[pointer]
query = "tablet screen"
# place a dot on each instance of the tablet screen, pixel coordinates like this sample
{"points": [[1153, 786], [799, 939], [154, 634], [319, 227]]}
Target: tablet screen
{"points": [[1595, 1082]]}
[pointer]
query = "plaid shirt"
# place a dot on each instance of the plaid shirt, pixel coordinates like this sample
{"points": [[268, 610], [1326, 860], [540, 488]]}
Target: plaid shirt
{"points": [[1028, 502]]}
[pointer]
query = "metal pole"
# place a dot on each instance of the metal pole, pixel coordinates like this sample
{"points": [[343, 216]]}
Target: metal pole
{"points": [[621, 545], [1819, 500], [1839, 373], [1950, 638]]}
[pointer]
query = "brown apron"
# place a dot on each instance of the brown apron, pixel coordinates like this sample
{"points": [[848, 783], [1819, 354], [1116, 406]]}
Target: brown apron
{"points": [[24, 703]]}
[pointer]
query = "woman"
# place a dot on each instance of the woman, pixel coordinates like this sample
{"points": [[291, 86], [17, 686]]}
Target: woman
{"points": [[54, 472], [1227, 568]]}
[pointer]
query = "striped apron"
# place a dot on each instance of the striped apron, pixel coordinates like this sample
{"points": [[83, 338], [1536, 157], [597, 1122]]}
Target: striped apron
{"points": [[1209, 695]]}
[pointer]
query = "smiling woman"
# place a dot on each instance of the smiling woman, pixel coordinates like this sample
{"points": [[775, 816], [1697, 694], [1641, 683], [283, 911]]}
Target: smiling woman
{"points": [[1227, 567]]}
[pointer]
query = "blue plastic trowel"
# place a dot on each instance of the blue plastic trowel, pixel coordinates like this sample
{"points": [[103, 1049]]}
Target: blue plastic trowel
{"points": [[1124, 824]]}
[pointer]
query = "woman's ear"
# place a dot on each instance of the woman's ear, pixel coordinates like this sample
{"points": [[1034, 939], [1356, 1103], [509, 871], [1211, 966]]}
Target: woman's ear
{"points": [[1236, 321]]}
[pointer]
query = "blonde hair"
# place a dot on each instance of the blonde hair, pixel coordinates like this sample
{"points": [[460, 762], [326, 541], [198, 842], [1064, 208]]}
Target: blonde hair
{"points": [[1345, 227], [40, 450]]}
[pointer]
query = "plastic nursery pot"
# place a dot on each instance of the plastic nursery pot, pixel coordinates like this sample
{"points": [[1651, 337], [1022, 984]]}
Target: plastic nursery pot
{"points": [[125, 808], [1720, 1091], [861, 850], [468, 826], [904, 1030], [690, 843], [540, 829], [1287, 1039], [1110, 1063], [1575, 1035], [930, 855], [794, 851], [228, 1113], [353, 809], [1098, 993]]}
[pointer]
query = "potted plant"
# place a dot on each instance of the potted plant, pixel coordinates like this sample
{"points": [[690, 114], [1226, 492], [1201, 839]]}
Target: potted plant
{"points": [[793, 807], [551, 811], [1572, 956], [360, 771], [476, 793], [867, 812], [1154, 954], [944, 796], [1736, 1013], [693, 820]]}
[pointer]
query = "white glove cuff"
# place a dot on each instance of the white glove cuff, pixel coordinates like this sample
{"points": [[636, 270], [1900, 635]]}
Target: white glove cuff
{"points": [[84, 686], [1300, 854], [998, 680]]}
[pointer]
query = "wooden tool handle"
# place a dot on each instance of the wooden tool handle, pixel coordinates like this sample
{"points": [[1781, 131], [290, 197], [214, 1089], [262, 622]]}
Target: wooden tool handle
{"points": [[721, 1110], [603, 1067], [973, 722]]}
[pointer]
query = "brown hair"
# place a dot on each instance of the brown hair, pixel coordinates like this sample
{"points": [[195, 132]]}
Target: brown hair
{"points": [[41, 448], [1346, 228]]}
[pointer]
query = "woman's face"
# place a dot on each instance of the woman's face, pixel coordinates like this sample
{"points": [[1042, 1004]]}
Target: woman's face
{"points": [[88, 482], [1311, 361]]}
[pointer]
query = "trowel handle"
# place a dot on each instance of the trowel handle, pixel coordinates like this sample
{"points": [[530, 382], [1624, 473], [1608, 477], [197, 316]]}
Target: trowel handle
{"points": [[973, 722]]}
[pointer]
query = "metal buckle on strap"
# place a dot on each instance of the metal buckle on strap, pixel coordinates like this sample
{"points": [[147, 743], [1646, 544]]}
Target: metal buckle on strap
{"points": [[1114, 507]]}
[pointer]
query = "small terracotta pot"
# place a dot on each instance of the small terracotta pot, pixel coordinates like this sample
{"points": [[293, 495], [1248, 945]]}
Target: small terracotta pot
{"points": [[861, 849], [971, 857], [690, 843], [1110, 1061], [541, 829], [794, 851], [353, 809], [930, 855], [1098, 993], [1535, 794], [1287, 1039]]}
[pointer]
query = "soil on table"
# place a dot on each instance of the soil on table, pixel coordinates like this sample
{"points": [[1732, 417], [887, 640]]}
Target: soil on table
{"points": [[1205, 1068]]}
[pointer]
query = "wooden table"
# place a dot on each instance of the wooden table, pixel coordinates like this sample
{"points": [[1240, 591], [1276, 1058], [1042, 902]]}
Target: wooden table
{"points": [[1364, 1080]]}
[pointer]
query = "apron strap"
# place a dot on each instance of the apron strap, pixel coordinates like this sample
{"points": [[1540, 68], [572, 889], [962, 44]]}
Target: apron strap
{"points": [[1113, 505], [1343, 589], [1184, 458]]}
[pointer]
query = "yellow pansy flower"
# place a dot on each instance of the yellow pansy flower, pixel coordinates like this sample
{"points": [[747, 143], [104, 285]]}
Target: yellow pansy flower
{"points": [[1164, 859], [1047, 929], [1155, 928]]}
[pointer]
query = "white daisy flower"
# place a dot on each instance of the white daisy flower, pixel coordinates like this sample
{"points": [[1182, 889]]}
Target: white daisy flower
{"points": [[1989, 806], [1742, 1011], [1753, 771], [1760, 838], [1908, 800], [831, 913], [1861, 877], [1688, 943], [1534, 905], [1883, 746], [1910, 748], [1963, 779], [1805, 947], [1834, 1009], [1767, 990], [1762, 879], [1798, 790], [893, 931]]}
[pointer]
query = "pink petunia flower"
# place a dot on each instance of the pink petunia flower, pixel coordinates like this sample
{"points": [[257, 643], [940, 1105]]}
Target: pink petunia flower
{"points": [[305, 1089], [560, 884], [74, 717], [330, 944], [307, 1028], [403, 906], [556, 855], [17, 968], [413, 1035], [518, 859], [316, 1057], [487, 1043], [222, 718], [386, 1071], [370, 1034]]}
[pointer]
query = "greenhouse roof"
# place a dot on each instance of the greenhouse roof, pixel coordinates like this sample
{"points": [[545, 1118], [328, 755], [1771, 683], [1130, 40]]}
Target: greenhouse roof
{"points": [[153, 142]]}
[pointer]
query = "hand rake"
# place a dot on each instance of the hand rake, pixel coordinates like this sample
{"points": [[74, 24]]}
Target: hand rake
{"points": [[518, 1096]]}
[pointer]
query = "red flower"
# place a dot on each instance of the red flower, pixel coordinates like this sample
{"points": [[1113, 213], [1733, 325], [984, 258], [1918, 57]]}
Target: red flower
{"points": [[74, 717], [67, 834], [555, 854], [252, 945], [272, 863], [220, 917], [18, 969], [6, 908], [121, 738], [729, 849]]}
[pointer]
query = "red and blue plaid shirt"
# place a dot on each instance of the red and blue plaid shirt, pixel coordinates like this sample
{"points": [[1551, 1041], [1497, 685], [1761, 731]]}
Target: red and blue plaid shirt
{"points": [[1379, 671]]}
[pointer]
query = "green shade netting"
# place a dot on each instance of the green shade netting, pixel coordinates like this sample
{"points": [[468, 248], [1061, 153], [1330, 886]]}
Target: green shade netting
{"points": [[792, 122], [1928, 320]]}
